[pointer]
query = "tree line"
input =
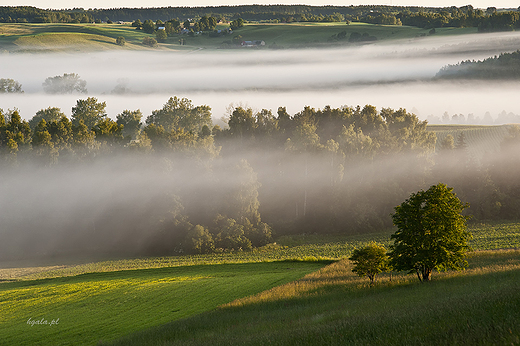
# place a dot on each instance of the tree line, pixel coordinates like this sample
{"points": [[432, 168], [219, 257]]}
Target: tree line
{"points": [[503, 66], [424, 17], [330, 170]]}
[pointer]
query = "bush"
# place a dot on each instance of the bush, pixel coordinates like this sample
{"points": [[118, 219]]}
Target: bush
{"points": [[120, 41], [370, 261], [150, 42]]}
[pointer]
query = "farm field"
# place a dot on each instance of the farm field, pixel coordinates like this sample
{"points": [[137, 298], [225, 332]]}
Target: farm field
{"points": [[106, 300], [479, 139], [67, 37], [101, 306], [334, 307], [84, 37]]}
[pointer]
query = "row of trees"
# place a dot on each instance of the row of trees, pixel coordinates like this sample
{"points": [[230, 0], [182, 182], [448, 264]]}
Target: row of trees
{"points": [[504, 66], [89, 131], [319, 170], [163, 30], [466, 16], [425, 17], [29, 14], [331, 143]]}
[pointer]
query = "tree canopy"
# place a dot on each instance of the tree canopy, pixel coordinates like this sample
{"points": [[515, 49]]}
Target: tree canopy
{"points": [[66, 84], [90, 111], [8, 85], [369, 260]]}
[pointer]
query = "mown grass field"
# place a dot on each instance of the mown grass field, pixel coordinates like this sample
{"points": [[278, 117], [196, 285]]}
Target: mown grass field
{"points": [[110, 299], [102, 306], [83, 37]]}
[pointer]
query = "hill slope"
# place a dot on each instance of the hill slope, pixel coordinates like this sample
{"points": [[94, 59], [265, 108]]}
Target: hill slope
{"points": [[37, 37]]}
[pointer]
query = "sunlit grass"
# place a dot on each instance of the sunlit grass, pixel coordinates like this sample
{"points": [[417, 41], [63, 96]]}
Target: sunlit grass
{"points": [[310, 247], [103, 306], [57, 37], [334, 307], [64, 40], [258, 296]]}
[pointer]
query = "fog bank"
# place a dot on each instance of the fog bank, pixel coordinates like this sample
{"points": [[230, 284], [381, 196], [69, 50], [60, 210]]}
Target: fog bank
{"points": [[386, 74]]}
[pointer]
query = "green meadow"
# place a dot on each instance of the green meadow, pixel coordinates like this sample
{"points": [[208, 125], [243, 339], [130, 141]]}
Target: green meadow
{"points": [[299, 291], [67, 37], [480, 306], [91, 307]]}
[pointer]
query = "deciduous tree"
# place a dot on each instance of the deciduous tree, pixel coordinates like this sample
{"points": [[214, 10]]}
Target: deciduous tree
{"points": [[431, 233], [131, 120], [90, 111], [49, 114], [161, 35], [66, 84], [369, 261], [8, 85]]}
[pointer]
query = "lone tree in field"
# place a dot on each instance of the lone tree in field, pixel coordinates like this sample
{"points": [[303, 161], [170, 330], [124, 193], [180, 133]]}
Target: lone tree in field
{"points": [[370, 261], [431, 233]]}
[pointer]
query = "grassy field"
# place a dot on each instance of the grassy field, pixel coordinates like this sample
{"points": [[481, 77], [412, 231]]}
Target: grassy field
{"points": [[309, 248], [480, 306], [81, 37], [256, 291], [102, 306], [67, 37]]}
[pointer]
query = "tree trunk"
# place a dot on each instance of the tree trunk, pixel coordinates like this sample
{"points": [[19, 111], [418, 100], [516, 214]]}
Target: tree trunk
{"points": [[372, 279], [426, 274], [305, 195], [418, 274]]}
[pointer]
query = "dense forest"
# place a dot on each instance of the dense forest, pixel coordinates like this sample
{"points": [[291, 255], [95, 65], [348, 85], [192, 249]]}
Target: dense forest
{"points": [[424, 17], [504, 66], [172, 182]]}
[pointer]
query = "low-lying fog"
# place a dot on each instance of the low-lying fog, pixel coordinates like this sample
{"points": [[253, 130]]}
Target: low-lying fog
{"points": [[386, 74], [109, 205]]}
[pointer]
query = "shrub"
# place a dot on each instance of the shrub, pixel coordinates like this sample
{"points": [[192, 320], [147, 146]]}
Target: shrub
{"points": [[150, 41]]}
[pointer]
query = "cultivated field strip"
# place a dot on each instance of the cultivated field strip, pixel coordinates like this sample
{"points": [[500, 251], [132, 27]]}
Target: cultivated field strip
{"points": [[308, 248], [480, 140]]}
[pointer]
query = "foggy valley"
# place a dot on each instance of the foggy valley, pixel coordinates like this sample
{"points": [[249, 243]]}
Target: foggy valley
{"points": [[115, 203], [387, 74], [167, 181]]}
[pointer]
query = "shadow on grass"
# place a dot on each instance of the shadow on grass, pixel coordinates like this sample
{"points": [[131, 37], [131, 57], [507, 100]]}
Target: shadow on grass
{"points": [[459, 309]]}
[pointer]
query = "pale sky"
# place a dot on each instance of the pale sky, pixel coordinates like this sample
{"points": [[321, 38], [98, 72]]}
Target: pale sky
{"points": [[61, 4]]}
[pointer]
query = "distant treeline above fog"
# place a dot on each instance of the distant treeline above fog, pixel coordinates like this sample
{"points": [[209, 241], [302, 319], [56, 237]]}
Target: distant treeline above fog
{"points": [[505, 66], [425, 17], [176, 183]]}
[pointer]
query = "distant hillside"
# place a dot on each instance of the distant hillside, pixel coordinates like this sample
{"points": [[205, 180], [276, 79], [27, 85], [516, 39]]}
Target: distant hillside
{"points": [[59, 37], [504, 66]]}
